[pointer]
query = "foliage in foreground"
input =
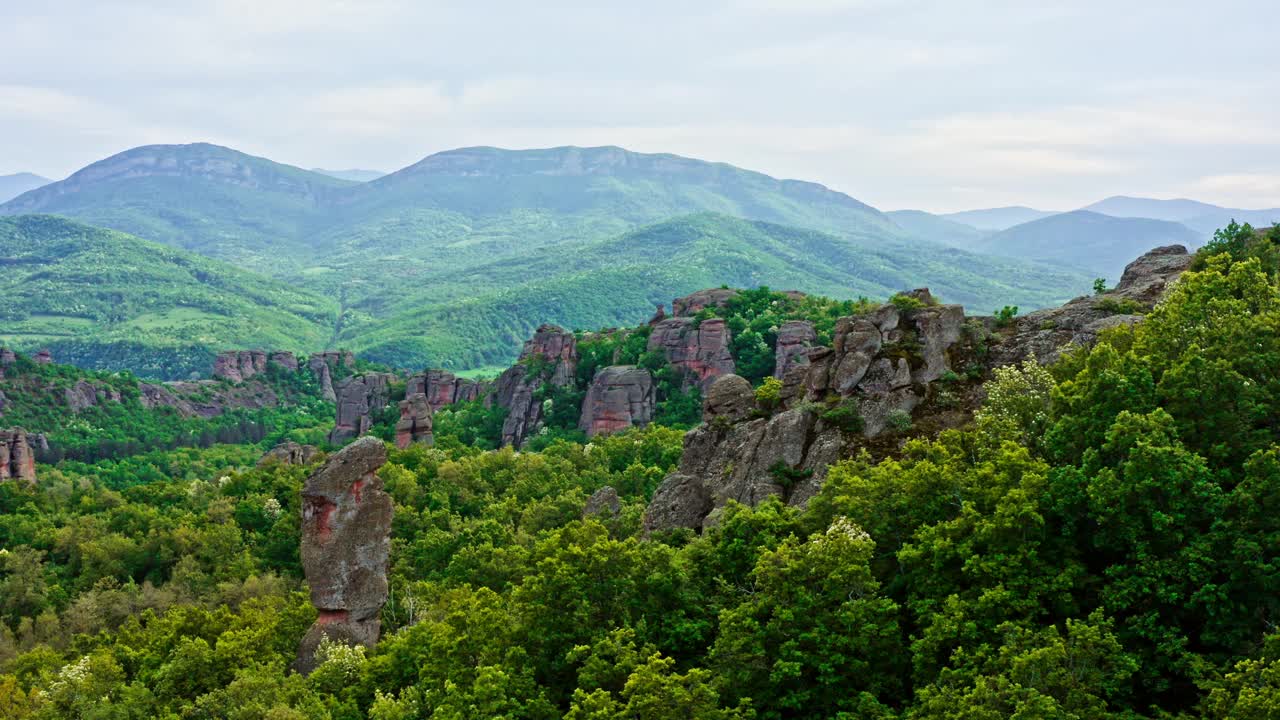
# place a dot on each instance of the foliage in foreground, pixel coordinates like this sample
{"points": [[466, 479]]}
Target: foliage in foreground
{"points": [[1103, 541]]}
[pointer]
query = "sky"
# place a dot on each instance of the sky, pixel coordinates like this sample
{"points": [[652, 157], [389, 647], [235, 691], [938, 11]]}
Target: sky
{"points": [[941, 106]]}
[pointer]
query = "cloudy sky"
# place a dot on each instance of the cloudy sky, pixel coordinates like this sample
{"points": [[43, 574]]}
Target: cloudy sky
{"points": [[937, 105]]}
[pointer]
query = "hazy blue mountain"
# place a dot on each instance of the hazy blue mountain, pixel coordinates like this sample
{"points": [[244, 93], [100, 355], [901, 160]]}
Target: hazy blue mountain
{"points": [[1098, 243], [354, 175], [11, 186], [936, 228], [1000, 218], [1199, 216]]}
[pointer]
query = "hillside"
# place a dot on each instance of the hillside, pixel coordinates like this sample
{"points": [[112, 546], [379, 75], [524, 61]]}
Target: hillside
{"points": [[209, 199], [1099, 244], [618, 281], [1202, 217], [1001, 218], [936, 228], [354, 174], [104, 299], [11, 186], [462, 228]]}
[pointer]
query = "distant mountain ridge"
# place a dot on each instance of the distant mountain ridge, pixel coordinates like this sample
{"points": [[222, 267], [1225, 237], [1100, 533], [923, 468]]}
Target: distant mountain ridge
{"points": [[11, 186], [471, 227], [354, 174], [1001, 218], [1091, 241]]}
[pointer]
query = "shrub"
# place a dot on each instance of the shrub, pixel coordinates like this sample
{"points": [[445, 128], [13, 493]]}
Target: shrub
{"points": [[1006, 314], [899, 420], [769, 394], [845, 416]]}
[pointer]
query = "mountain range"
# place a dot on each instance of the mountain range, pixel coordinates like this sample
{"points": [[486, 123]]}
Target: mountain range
{"points": [[11, 186], [453, 260]]}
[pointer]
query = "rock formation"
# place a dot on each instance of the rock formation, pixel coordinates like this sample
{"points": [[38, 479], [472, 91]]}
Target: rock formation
{"points": [[551, 356], [359, 398], [7, 357], [444, 388], [1045, 333], [17, 460], [346, 540], [795, 339], [604, 501], [290, 453], [239, 365], [414, 425], [698, 351], [620, 396], [84, 395], [284, 359], [325, 366], [659, 315], [153, 396], [43, 357], [694, 303]]}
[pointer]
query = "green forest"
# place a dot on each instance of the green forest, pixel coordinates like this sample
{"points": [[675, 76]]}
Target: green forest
{"points": [[1101, 541]]}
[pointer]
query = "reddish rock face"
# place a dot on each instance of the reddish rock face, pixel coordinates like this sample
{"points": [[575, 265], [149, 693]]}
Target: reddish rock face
{"points": [[693, 303], [239, 365], [551, 356], [795, 339], [346, 541], [7, 357], [43, 357], [699, 354], [444, 388], [358, 399], [621, 396], [286, 360], [414, 425], [17, 460]]}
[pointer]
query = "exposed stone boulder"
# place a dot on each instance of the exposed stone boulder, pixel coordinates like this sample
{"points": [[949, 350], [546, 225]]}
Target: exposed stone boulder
{"points": [[551, 356], [17, 460], [680, 501], [346, 541], [290, 453], [795, 339], [444, 388], [414, 425], [1044, 334], [620, 396], [239, 365], [284, 359], [937, 329], [85, 395], [7, 357], [730, 398], [359, 399], [659, 315], [152, 396], [43, 357], [698, 351], [694, 303], [604, 501], [327, 365]]}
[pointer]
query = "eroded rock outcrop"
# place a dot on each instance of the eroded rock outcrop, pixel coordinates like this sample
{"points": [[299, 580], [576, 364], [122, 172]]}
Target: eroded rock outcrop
{"points": [[328, 365], [346, 541], [444, 388], [414, 425], [1046, 333], [620, 396], [551, 356], [694, 303], [795, 339], [290, 453], [43, 357], [359, 398], [17, 459], [699, 351], [153, 395], [83, 395], [603, 502], [239, 365]]}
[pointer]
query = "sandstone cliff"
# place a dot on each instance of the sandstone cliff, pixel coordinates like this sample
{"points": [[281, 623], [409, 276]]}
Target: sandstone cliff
{"points": [[620, 396], [359, 399], [346, 542], [17, 459]]}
